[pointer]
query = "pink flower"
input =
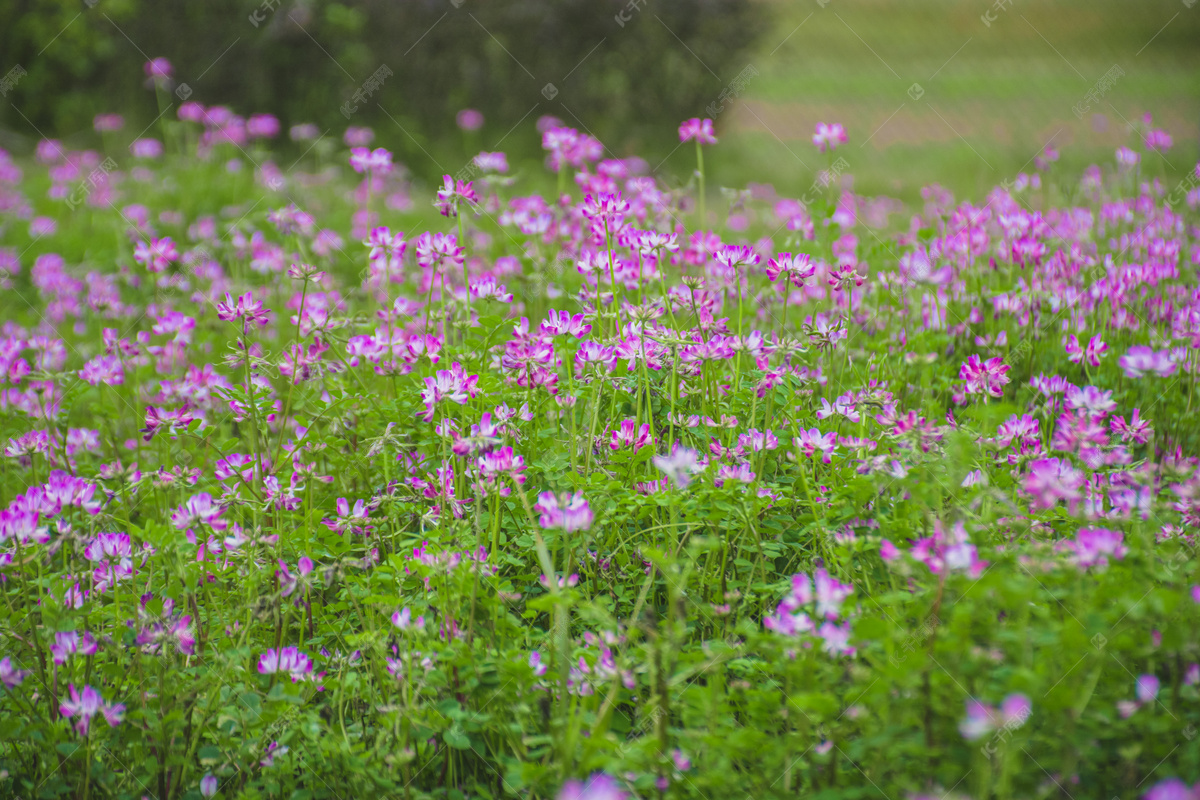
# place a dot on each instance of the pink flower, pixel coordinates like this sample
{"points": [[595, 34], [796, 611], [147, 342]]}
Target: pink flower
{"points": [[469, 119], [1092, 354], [679, 466], [829, 136], [156, 255], [567, 513], [452, 194], [596, 787], [1051, 480], [453, 385], [559, 323], [354, 521], [1093, 546], [1172, 789], [289, 659], [630, 435], [157, 68], [403, 620], [984, 377], [1147, 688], [9, 675], [797, 268], [699, 129], [812, 440], [377, 161], [1142, 360], [88, 704]]}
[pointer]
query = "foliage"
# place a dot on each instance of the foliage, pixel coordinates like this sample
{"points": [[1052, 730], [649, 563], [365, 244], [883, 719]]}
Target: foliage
{"points": [[820, 505]]}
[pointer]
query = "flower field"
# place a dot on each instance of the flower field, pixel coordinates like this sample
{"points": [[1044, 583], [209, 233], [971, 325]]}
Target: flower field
{"points": [[586, 484]]}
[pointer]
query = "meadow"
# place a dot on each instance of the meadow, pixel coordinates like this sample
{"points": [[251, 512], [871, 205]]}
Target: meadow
{"points": [[323, 482]]}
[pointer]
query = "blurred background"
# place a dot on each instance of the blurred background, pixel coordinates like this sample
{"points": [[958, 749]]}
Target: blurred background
{"points": [[964, 93]]}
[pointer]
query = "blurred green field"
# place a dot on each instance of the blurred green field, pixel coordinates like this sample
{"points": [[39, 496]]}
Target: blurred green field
{"points": [[929, 92]]}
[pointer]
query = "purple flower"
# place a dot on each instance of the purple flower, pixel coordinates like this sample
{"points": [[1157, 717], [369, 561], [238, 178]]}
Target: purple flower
{"points": [[828, 136], [290, 660], [208, 785], [1142, 360], [1172, 789], [680, 466], [699, 129], [596, 787], [157, 68], [1147, 688], [88, 704], [568, 513], [10, 676], [469, 119]]}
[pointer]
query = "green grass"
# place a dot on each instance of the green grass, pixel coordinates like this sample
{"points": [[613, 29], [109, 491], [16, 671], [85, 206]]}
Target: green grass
{"points": [[993, 96]]}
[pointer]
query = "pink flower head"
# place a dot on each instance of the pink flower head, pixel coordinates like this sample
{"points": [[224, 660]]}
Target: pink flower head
{"points": [[699, 129], [377, 161], [1147, 688], [88, 704], [158, 69], [559, 323], [289, 659], [812, 440], [630, 435], [597, 787], [10, 676], [984, 377], [157, 254], [796, 268], [1142, 360], [680, 465], [567, 513], [453, 194], [469, 119], [828, 136]]}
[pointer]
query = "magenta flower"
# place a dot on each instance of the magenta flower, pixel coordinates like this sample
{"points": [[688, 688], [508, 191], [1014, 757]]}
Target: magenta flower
{"points": [[448, 385], [1142, 360], [812, 440], [469, 119], [1093, 547], [289, 659], [559, 323], [796, 268], [568, 513], [982, 719], [701, 130], [680, 465], [352, 520], [403, 619], [208, 785], [156, 255], [108, 122], [1172, 789], [630, 435], [1147, 688], [454, 193], [948, 551], [10, 676], [245, 308], [984, 377], [88, 704], [157, 68], [71, 643], [377, 161], [829, 136], [596, 787], [1091, 354]]}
